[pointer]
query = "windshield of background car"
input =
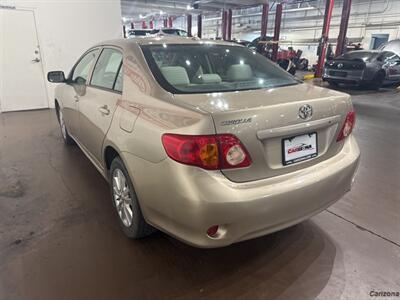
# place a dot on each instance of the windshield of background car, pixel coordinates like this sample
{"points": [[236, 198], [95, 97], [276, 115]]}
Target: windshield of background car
{"points": [[205, 68], [139, 32], [364, 55], [175, 32]]}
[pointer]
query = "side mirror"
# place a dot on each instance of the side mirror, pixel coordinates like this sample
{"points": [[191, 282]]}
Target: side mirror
{"points": [[56, 76]]}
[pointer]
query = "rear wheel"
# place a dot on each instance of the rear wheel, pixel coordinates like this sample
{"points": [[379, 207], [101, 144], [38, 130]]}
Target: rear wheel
{"points": [[333, 83], [126, 204], [64, 132], [377, 82]]}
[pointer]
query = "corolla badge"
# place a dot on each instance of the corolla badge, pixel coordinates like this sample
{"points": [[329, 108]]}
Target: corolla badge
{"points": [[305, 112]]}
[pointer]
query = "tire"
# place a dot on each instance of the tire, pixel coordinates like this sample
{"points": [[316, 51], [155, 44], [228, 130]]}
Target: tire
{"points": [[125, 202], [333, 83], [377, 82], [68, 140]]}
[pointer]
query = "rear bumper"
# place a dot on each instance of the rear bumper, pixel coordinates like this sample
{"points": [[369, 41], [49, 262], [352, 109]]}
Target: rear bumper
{"points": [[353, 77], [184, 201]]}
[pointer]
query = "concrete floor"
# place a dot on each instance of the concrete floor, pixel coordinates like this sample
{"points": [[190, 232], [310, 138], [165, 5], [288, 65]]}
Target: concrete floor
{"points": [[59, 238]]}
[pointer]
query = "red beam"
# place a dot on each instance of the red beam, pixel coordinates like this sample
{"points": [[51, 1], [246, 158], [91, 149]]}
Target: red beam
{"points": [[199, 25], [264, 20], [324, 39], [170, 22], [277, 31], [189, 25], [229, 25], [344, 24]]}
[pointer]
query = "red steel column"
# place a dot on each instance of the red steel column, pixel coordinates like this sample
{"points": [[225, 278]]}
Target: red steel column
{"points": [[124, 30], [229, 25], [151, 24], [144, 26], [277, 31], [170, 22], [189, 25], [264, 20], [165, 23], [223, 25], [199, 25], [132, 25], [324, 39], [344, 24]]}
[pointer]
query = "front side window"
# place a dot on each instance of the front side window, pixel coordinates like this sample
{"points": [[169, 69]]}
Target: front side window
{"points": [[205, 68], [82, 69], [107, 68]]}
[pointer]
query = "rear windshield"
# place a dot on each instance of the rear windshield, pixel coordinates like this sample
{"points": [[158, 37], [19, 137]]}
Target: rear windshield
{"points": [[206, 68], [364, 55]]}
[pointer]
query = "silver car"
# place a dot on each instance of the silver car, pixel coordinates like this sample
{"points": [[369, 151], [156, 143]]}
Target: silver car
{"points": [[209, 142]]}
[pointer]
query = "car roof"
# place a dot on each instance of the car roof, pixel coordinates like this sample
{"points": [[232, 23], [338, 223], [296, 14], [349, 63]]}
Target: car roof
{"points": [[160, 40]]}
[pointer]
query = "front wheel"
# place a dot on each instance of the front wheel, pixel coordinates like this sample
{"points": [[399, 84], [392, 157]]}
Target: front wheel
{"points": [[126, 203]]}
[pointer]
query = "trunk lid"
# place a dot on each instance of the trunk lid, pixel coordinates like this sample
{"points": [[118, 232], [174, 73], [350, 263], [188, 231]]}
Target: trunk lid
{"points": [[261, 119]]}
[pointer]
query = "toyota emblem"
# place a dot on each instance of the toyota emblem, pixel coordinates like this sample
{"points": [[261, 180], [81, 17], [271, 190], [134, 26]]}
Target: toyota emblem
{"points": [[305, 112], [340, 65]]}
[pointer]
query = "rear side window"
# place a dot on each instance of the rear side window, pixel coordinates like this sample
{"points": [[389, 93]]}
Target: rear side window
{"points": [[107, 68]]}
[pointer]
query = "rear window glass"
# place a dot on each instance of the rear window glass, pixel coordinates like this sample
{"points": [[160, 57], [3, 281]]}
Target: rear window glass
{"points": [[205, 68]]}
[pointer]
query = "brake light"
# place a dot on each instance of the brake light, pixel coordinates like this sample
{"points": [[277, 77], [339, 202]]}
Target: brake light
{"points": [[211, 152], [347, 126]]}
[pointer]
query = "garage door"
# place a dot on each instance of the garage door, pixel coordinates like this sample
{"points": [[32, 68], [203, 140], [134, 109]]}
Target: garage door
{"points": [[22, 84]]}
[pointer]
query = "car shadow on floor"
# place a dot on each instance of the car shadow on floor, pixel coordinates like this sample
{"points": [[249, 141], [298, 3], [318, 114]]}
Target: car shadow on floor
{"points": [[84, 255]]}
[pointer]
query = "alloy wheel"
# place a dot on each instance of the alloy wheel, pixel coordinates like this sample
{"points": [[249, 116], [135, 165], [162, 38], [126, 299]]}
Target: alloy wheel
{"points": [[122, 197]]}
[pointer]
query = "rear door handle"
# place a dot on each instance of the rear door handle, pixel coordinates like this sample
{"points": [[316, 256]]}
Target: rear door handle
{"points": [[104, 110], [76, 98]]}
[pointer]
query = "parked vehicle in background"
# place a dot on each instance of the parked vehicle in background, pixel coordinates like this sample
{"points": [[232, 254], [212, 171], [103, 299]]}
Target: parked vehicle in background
{"points": [[138, 32], [370, 69], [393, 46], [170, 31], [209, 142]]}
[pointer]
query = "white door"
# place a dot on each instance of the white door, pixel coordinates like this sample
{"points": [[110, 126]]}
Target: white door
{"points": [[22, 84]]}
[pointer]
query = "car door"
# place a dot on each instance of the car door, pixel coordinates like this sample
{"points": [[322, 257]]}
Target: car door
{"points": [[392, 66], [97, 107], [75, 88]]}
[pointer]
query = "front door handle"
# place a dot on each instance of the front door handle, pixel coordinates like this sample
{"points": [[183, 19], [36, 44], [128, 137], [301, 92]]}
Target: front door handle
{"points": [[104, 110], [36, 60]]}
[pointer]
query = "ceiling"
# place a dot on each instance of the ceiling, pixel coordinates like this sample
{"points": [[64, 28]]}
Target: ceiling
{"points": [[136, 10], [133, 8]]}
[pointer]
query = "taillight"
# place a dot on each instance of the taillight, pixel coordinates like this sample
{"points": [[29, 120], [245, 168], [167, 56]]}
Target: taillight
{"points": [[211, 152], [347, 126]]}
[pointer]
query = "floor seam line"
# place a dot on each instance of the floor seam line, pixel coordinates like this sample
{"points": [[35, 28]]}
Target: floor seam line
{"points": [[363, 228]]}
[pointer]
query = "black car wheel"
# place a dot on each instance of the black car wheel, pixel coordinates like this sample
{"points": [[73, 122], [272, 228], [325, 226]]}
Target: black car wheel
{"points": [[333, 83], [377, 82]]}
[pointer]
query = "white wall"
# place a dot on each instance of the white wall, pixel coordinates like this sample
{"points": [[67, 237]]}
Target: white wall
{"points": [[67, 28]]}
